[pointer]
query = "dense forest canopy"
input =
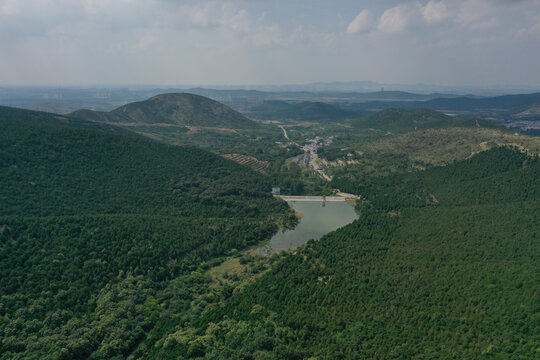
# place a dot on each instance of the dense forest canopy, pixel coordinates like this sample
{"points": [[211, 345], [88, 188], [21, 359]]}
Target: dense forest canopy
{"points": [[10, 113], [455, 278], [110, 244], [86, 212]]}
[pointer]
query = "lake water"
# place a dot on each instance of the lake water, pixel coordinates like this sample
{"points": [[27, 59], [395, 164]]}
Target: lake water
{"points": [[318, 219]]}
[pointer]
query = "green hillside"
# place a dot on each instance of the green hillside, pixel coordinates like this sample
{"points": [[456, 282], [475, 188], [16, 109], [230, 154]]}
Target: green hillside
{"points": [[93, 227], [454, 278], [11, 113], [270, 109], [173, 109], [528, 111], [442, 146], [405, 120], [303, 111]]}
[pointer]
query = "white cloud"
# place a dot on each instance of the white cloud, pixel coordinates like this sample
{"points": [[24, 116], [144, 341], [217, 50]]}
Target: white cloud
{"points": [[471, 12], [213, 14], [144, 43], [199, 17], [362, 23], [486, 24], [237, 20], [435, 12], [8, 7], [266, 36], [393, 20], [97, 40], [533, 30]]}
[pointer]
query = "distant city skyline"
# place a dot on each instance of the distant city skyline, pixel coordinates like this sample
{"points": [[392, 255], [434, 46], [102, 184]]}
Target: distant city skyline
{"points": [[459, 43]]}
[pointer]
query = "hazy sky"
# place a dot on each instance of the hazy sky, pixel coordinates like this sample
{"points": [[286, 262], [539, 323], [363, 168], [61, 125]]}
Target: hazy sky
{"points": [[173, 42]]}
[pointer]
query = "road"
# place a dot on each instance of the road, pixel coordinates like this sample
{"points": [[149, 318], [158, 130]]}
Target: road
{"points": [[284, 132], [311, 155], [319, 170], [287, 135]]}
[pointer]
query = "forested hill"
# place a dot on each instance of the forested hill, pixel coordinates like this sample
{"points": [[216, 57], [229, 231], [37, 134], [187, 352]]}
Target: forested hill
{"points": [[93, 225], [453, 278], [174, 109], [11, 113], [404, 120], [303, 111]]}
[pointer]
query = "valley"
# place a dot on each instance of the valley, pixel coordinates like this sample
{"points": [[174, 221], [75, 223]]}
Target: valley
{"points": [[269, 180], [150, 232]]}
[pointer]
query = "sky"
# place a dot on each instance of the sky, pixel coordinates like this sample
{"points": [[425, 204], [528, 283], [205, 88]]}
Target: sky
{"points": [[265, 42]]}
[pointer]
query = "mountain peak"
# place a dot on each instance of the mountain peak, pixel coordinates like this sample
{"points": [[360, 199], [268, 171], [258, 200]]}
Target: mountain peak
{"points": [[175, 108]]}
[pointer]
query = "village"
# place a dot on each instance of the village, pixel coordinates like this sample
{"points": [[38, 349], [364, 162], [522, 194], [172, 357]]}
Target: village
{"points": [[310, 157]]}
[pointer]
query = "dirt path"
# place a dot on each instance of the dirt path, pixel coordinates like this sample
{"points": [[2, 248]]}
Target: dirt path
{"points": [[284, 132]]}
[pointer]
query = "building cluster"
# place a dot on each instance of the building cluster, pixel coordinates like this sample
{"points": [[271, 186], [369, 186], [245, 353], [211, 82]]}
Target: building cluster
{"points": [[312, 145]]}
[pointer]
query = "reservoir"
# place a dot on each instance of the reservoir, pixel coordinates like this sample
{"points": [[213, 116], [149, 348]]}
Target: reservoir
{"points": [[319, 218]]}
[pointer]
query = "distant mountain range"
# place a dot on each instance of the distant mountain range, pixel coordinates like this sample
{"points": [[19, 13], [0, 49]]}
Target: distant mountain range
{"points": [[369, 86], [461, 103], [238, 96], [228, 108]]}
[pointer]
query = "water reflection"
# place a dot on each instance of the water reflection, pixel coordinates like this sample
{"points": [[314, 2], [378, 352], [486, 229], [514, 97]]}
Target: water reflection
{"points": [[319, 218]]}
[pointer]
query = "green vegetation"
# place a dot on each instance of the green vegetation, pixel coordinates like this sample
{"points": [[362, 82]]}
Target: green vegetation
{"points": [[443, 146], [187, 119], [173, 109], [303, 111], [473, 106], [116, 247], [453, 280], [530, 110], [248, 161], [94, 227], [404, 120], [482, 104], [409, 141], [296, 180], [11, 113]]}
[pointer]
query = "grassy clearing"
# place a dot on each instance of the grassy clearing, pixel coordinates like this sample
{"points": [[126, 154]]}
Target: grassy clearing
{"points": [[223, 272]]}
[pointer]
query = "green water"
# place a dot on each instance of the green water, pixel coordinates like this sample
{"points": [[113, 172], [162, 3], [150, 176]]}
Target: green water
{"points": [[318, 219]]}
